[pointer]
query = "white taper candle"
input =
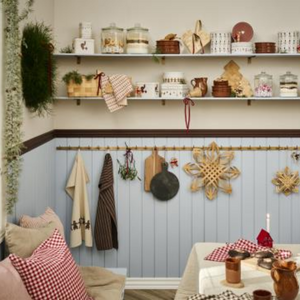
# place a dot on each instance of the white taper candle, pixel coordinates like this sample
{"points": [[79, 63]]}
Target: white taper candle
{"points": [[268, 222]]}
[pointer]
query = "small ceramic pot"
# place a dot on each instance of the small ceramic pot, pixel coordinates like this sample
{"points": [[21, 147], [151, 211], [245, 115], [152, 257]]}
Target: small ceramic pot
{"points": [[233, 270], [173, 77], [147, 89], [262, 295]]}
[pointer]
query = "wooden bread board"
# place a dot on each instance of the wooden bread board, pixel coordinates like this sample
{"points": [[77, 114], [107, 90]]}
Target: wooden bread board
{"points": [[252, 263], [153, 166]]}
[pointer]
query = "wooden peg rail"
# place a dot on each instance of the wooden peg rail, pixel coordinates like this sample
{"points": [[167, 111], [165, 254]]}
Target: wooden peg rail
{"points": [[183, 148]]}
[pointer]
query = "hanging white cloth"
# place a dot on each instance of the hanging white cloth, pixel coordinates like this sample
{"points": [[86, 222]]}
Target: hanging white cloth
{"points": [[81, 229]]}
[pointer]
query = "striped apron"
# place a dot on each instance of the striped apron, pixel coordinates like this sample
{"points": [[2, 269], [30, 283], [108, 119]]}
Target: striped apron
{"points": [[106, 232]]}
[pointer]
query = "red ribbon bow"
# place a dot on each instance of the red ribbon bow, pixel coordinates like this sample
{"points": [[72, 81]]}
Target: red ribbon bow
{"points": [[98, 76], [187, 112]]}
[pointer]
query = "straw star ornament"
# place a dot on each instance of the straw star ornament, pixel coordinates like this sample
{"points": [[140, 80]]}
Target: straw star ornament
{"points": [[286, 182], [212, 171]]}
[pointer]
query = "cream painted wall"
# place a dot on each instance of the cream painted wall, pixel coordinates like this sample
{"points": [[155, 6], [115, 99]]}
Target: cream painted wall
{"points": [[161, 17], [43, 11]]}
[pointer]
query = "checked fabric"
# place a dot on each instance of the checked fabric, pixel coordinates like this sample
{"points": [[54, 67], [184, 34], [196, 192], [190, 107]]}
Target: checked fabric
{"points": [[221, 254], [50, 273], [227, 295]]}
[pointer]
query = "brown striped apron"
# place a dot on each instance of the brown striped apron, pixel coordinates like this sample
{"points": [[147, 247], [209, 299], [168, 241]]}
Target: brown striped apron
{"points": [[106, 232]]}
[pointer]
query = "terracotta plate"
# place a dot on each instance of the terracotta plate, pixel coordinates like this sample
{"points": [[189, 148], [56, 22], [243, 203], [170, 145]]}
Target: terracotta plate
{"points": [[245, 29]]}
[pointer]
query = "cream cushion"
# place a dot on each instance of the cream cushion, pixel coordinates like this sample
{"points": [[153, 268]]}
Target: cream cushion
{"points": [[23, 241], [41, 221]]}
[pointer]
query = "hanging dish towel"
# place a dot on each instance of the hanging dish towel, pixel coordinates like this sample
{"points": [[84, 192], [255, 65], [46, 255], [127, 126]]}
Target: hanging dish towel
{"points": [[116, 98], [106, 233], [81, 222]]}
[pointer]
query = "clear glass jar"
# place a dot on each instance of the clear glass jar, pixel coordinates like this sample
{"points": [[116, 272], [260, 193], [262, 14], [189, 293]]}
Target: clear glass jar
{"points": [[137, 40], [113, 39], [263, 85], [288, 85]]}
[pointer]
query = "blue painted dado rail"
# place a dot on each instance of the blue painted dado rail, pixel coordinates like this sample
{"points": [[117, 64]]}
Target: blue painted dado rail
{"points": [[155, 238]]}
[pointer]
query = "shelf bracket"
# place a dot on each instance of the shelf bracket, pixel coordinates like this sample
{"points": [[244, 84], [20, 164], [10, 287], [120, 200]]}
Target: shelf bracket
{"points": [[249, 102], [78, 102], [163, 60], [250, 59], [78, 60], [163, 102]]}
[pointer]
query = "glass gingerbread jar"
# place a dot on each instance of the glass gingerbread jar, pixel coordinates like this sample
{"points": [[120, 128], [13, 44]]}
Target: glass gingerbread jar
{"points": [[113, 39], [263, 85], [137, 40], [288, 85]]}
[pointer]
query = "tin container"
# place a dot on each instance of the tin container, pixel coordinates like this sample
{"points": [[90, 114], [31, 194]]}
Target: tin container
{"points": [[147, 90], [85, 30], [288, 41], [220, 43]]}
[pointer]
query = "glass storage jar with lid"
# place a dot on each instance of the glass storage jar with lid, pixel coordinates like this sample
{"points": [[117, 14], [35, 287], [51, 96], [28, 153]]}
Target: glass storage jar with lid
{"points": [[112, 39], [263, 85], [137, 40], [288, 85]]}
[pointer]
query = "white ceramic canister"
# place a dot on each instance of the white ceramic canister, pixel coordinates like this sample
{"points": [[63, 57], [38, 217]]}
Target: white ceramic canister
{"points": [[220, 42], [147, 90], [174, 91], [85, 30], [173, 77], [288, 41], [242, 48]]}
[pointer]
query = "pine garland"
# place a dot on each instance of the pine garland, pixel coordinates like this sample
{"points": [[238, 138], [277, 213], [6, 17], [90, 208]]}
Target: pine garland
{"points": [[13, 95]]}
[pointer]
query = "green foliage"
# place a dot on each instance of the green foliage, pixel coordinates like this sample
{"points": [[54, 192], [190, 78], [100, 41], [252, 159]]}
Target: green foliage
{"points": [[129, 173], [67, 49], [13, 99], [76, 77], [38, 67]]}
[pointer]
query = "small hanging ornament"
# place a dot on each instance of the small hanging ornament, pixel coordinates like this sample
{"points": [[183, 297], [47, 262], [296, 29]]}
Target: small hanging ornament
{"points": [[295, 156], [286, 181], [174, 162], [128, 170]]}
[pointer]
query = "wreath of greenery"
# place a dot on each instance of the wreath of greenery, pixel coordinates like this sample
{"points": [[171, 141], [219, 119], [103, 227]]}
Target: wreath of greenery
{"points": [[38, 67], [13, 99]]}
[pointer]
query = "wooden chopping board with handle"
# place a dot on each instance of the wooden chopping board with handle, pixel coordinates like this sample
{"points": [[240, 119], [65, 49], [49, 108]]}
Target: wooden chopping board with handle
{"points": [[153, 166]]}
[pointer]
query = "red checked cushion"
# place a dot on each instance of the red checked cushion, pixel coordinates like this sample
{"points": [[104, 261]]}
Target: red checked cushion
{"points": [[50, 273]]}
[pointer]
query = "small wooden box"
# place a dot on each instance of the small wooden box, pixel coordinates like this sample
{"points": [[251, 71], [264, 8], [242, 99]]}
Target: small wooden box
{"points": [[88, 88], [84, 46], [168, 47]]}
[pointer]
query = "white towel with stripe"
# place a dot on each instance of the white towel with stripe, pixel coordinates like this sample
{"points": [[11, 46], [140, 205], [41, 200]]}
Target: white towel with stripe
{"points": [[121, 87]]}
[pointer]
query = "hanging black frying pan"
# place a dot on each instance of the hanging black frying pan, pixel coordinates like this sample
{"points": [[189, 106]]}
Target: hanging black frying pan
{"points": [[164, 185]]}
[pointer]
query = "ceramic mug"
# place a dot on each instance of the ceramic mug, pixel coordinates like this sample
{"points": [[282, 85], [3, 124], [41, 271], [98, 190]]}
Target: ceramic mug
{"points": [[262, 295], [233, 270], [147, 90]]}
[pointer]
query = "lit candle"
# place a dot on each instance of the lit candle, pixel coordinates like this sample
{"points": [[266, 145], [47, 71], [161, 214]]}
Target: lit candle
{"points": [[268, 222]]}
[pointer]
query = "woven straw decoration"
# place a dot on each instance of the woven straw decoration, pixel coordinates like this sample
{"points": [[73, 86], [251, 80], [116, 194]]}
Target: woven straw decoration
{"points": [[212, 171]]}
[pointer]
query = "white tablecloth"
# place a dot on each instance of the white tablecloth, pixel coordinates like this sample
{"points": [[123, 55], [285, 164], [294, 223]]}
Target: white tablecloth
{"points": [[210, 281], [189, 284]]}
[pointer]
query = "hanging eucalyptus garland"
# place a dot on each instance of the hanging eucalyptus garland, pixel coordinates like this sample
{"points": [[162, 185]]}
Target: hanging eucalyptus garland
{"points": [[13, 99], [38, 67]]}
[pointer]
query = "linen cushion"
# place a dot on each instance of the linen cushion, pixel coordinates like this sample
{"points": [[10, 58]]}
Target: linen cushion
{"points": [[51, 272], [23, 241], [11, 285], [41, 221]]}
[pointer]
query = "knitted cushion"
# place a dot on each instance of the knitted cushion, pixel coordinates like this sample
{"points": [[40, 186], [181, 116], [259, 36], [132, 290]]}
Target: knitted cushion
{"points": [[41, 221], [51, 273]]}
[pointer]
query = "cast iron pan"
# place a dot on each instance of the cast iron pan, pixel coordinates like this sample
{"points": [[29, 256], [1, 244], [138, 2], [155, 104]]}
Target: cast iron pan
{"points": [[165, 185]]}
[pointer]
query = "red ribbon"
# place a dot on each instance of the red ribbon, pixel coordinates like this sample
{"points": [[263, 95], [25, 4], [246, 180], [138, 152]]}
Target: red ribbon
{"points": [[195, 38], [98, 76], [187, 112]]}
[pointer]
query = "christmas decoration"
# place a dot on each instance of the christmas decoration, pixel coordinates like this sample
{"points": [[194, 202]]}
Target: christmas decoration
{"points": [[38, 67], [286, 182], [13, 98], [212, 171], [240, 86]]}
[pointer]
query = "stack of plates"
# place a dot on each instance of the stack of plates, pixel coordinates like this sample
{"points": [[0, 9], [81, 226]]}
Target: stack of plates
{"points": [[265, 47], [221, 88]]}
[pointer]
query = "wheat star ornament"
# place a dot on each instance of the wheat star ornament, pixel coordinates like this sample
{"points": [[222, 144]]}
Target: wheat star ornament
{"points": [[286, 182], [212, 171]]}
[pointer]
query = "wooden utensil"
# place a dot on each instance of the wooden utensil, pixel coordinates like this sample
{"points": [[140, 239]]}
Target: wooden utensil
{"points": [[153, 166]]}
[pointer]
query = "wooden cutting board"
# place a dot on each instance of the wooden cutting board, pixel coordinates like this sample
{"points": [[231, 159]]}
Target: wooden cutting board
{"points": [[153, 165]]}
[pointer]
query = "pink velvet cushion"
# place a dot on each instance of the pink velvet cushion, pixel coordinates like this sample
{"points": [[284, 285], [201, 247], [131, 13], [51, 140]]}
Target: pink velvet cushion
{"points": [[11, 285], [41, 221], [51, 272]]}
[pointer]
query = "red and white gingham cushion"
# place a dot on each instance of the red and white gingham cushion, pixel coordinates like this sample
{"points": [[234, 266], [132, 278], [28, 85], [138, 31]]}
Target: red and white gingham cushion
{"points": [[220, 254], [51, 272]]}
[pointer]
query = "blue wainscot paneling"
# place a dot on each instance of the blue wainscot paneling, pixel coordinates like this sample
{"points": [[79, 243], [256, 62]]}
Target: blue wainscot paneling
{"points": [[155, 238]]}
